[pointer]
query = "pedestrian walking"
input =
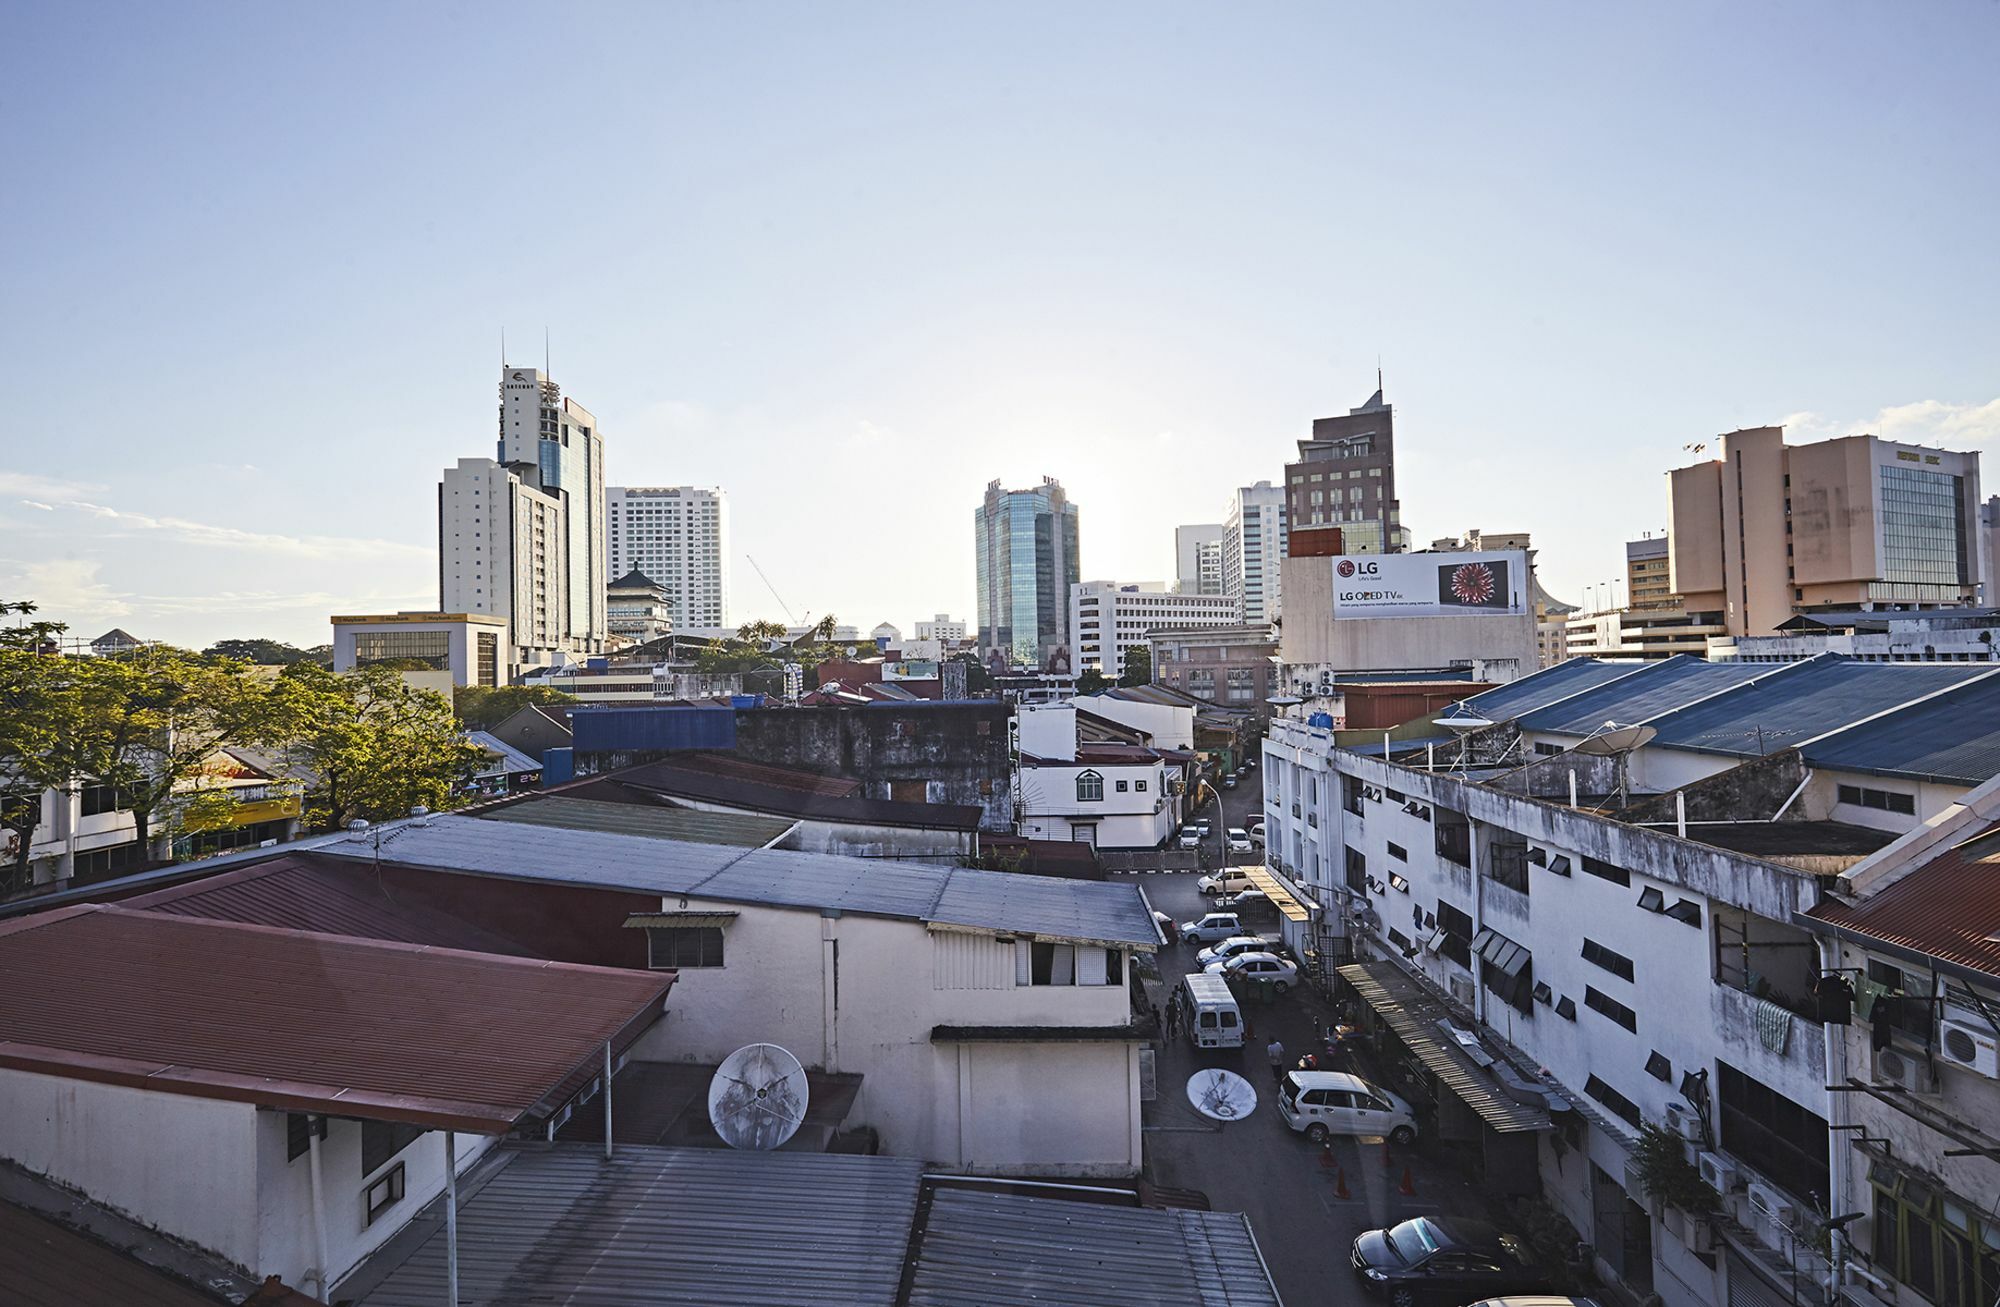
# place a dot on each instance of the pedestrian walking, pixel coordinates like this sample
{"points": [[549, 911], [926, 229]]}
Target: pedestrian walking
{"points": [[1275, 1051]]}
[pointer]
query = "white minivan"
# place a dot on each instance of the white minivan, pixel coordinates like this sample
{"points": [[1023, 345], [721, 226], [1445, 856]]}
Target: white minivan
{"points": [[1322, 1103], [1213, 1019]]}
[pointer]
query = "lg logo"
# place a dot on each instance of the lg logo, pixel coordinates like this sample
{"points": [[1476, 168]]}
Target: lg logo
{"points": [[1348, 567]]}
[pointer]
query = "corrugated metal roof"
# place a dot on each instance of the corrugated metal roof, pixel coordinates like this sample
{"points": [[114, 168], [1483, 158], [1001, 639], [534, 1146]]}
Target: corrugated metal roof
{"points": [[696, 782], [1953, 739], [287, 1019], [999, 1249], [42, 1264], [991, 900], [1654, 689], [660, 1226], [744, 830], [1551, 684], [507, 759], [1804, 701], [1949, 908], [1413, 1015]]}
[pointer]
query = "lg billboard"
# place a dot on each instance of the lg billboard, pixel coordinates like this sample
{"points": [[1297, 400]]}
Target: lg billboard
{"points": [[1430, 585]]}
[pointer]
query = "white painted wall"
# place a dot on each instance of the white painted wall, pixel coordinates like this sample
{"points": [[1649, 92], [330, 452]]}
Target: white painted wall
{"points": [[1047, 730], [1170, 725]]}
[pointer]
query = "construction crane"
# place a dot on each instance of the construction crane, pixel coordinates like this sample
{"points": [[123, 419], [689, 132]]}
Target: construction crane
{"points": [[789, 616]]}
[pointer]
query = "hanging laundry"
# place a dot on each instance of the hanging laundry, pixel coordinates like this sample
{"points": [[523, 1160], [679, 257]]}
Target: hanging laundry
{"points": [[1833, 1000]]}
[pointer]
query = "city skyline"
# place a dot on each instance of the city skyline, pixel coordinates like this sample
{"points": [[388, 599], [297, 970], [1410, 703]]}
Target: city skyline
{"points": [[957, 250]]}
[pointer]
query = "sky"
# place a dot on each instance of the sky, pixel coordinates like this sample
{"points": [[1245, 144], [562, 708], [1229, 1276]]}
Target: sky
{"points": [[852, 262]]}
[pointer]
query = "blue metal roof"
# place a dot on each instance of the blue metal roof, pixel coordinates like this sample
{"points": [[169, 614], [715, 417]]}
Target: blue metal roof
{"points": [[1953, 739], [1657, 688], [1803, 702], [1506, 702], [988, 900]]}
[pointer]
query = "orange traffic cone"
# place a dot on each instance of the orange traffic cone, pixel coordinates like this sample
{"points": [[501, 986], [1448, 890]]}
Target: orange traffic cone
{"points": [[1409, 1185], [1340, 1185]]}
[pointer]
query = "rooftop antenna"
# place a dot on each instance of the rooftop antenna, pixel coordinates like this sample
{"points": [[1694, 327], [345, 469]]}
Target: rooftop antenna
{"points": [[757, 1097], [503, 349], [547, 370]]}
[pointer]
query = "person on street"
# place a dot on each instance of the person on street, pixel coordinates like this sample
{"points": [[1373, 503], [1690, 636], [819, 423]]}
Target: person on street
{"points": [[1276, 1052]]}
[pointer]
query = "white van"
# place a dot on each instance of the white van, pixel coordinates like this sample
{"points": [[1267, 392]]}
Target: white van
{"points": [[1213, 1019], [1322, 1103]]}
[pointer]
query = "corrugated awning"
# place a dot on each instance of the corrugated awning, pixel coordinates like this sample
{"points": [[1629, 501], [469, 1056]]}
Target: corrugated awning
{"points": [[1292, 906], [1507, 957], [652, 920], [990, 932], [1413, 1015]]}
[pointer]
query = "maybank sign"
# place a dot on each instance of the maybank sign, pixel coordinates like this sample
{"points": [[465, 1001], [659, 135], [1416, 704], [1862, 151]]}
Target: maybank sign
{"points": [[1430, 585]]}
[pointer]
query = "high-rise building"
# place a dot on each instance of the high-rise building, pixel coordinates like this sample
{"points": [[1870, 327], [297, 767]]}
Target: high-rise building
{"points": [[678, 536], [942, 627], [1649, 583], [1254, 539], [553, 444], [1108, 619], [1345, 476], [1198, 559], [1025, 559], [1770, 530]]}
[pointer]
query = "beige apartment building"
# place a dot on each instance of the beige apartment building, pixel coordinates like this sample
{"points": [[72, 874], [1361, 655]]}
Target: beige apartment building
{"points": [[1769, 529]]}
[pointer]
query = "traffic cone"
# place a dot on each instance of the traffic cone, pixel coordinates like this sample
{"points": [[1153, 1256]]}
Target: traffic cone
{"points": [[1326, 1155], [1340, 1185], [1409, 1185]]}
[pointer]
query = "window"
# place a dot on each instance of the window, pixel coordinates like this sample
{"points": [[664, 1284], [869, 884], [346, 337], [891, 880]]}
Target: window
{"points": [[1123, 786], [1911, 1019], [1507, 864], [1400, 883], [1398, 852], [1140, 786], [381, 1141], [1932, 1242], [1860, 796], [1620, 1105], [299, 1130], [678, 947], [430, 648], [1772, 1133], [1600, 868], [1602, 1003], [1356, 872], [1453, 838], [1350, 794], [1089, 787], [100, 799], [384, 1193], [1044, 962], [1457, 929], [1616, 963]]}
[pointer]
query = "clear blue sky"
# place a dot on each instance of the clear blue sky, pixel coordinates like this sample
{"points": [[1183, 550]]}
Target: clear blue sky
{"points": [[850, 262]]}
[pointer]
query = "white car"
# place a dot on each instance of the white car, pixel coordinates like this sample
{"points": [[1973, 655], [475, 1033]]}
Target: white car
{"points": [[1229, 781], [1214, 926], [1249, 898], [1322, 1103], [1231, 880], [1201, 824], [1230, 947], [1239, 840], [1281, 974], [1257, 835], [1190, 837]]}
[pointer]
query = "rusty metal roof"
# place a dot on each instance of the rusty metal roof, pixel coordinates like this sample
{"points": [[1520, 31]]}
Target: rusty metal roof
{"points": [[1948, 909], [387, 1031], [43, 1264]]}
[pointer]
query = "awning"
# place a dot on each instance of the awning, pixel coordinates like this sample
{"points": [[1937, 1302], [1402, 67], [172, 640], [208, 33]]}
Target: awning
{"points": [[1293, 906], [1507, 957], [658, 920], [1414, 1015]]}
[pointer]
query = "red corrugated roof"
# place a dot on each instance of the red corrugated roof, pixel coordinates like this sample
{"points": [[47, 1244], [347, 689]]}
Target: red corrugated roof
{"points": [[43, 1264], [288, 1019], [1949, 908]]}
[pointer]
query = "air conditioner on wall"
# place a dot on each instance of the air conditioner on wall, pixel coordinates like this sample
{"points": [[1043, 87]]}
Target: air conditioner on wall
{"points": [[1684, 1121], [1721, 1175], [1970, 1043], [1461, 989], [1906, 1071], [1770, 1215]]}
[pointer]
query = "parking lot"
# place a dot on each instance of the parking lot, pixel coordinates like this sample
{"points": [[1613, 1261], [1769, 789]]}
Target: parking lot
{"points": [[1306, 1204]]}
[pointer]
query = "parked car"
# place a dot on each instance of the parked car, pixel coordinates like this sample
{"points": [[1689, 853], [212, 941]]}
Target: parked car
{"points": [[1322, 1103], [1247, 898], [1230, 947], [1190, 837], [1257, 835], [1229, 781], [1281, 974], [1239, 840], [1537, 1300], [1168, 926], [1215, 926], [1201, 824], [1443, 1259], [1229, 880]]}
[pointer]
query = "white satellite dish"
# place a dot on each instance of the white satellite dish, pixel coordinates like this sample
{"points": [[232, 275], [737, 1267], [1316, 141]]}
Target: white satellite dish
{"points": [[757, 1097], [1615, 739], [1221, 1095], [1463, 722]]}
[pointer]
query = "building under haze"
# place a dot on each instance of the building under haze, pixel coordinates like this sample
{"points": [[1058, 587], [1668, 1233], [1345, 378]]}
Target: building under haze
{"points": [[1769, 529], [1198, 559], [1025, 557], [678, 536], [521, 536], [1253, 552], [1345, 476], [1108, 618]]}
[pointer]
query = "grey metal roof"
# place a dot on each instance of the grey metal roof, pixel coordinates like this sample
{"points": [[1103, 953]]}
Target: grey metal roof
{"points": [[1654, 689], [659, 1226], [654, 820], [506, 758], [1803, 702], [1953, 739], [1506, 702], [1002, 1249], [992, 900]]}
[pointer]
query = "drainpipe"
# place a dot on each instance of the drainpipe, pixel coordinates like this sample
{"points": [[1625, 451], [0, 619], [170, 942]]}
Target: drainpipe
{"points": [[1838, 1142], [318, 1207], [607, 1101], [451, 1217], [1478, 911]]}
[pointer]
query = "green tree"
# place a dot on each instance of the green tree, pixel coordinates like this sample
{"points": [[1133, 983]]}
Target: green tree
{"points": [[483, 707], [264, 653], [977, 679], [1091, 681], [53, 727], [760, 633], [1138, 666], [374, 747]]}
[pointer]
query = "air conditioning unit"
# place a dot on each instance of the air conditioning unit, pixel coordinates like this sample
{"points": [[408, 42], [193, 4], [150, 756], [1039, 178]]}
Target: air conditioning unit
{"points": [[1906, 1071], [1635, 1188], [1684, 1121], [1461, 989], [1721, 1175], [1970, 1043], [1770, 1215]]}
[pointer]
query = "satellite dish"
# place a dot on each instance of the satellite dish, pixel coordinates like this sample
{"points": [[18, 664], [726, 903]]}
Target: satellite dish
{"points": [[1615, 739], [1221, 1095], [1463, 722], [757, 1098]]}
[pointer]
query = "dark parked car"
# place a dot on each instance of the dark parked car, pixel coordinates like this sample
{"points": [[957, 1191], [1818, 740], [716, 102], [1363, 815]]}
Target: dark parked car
{"points": [[1433, 1259]]}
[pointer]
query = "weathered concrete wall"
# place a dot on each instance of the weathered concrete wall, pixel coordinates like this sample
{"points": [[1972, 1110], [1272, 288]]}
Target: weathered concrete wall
{"points": [[957, 751], [1753, 791]]}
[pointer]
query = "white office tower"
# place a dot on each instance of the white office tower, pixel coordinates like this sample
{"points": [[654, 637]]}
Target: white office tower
{"points": [[1198, 559], [679, 537], [521, 536], [1253, 551]]}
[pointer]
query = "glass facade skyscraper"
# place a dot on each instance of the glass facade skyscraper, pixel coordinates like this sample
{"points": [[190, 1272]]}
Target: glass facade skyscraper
{"points": [[1025, 555]]}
